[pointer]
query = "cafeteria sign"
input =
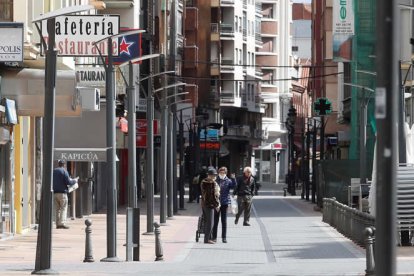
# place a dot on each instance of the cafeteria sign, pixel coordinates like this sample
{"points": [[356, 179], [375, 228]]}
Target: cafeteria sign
{"points": [[75, 34]]}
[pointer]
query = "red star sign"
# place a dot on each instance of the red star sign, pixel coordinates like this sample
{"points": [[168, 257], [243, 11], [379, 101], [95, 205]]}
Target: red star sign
{"points": [[124, 46]]}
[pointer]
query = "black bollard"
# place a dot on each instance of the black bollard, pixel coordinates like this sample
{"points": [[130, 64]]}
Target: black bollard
{"points": [[369, 249], [158, 246], [88, 242]]}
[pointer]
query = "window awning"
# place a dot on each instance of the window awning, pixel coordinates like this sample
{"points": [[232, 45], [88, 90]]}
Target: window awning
{"points": [[27, 88]]}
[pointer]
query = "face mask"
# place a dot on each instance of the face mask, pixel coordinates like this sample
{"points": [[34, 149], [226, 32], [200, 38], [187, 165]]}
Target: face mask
{"points": [[222, 176]]}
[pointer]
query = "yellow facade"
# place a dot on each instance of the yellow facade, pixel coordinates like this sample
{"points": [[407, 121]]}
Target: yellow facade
{"points": [[23, 167], [18, 158]]}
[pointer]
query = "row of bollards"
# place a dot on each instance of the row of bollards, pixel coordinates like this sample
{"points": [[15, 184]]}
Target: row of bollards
{"points": [[88, 242], [369, 249]]}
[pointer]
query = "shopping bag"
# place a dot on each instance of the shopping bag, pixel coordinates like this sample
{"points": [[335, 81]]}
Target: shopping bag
{"points": [[234, 207]]}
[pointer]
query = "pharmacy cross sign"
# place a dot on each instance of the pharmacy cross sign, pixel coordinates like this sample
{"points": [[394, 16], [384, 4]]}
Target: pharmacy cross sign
{"points": [[322, 106]]}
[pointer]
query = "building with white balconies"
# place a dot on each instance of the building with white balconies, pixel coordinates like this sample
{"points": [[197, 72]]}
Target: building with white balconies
{"points": [[274, 57]]}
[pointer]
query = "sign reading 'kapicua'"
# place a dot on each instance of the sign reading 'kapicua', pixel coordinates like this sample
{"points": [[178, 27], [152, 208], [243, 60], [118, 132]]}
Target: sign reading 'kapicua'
{"points": [[75, 34]]}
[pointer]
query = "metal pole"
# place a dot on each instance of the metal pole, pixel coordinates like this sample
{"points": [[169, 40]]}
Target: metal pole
{"points": [[362, 140], [314, 140], [320, 193], [132, 165], [111, 159], [44, 236], [402, 149], [132, 153], [150, 160], [292, 160], [174, 158], [307, 162], [163, 167], [386, 115], [170, 167], [181, 149], [302, 163]]}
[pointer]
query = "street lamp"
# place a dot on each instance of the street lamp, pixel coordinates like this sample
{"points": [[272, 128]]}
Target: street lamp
{"points": [[164, 163], [290, 125], [44, 236], [131, 251]]}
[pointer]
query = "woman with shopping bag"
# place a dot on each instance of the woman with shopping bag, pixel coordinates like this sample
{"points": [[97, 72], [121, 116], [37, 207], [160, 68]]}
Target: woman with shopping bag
{"points": [[226, 184]]}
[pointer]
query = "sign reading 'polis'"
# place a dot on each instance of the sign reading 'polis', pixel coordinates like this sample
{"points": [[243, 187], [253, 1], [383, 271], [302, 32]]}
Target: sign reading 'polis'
{"points": [[11, 42], [75, 34]]}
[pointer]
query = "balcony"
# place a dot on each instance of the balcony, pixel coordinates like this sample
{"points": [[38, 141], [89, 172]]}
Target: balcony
{"points": [[228, 98], [227, 3], [215, 3], [269, 28], [258, 39], [215, 68], [274, 126], [214, 32], [191, 57], [239, 131], [227, 30], [227, 65], [261, 134]]}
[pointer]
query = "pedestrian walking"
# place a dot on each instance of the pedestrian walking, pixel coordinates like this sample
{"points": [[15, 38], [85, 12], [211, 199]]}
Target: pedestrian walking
{"points": [[245, 189], [226, 184], [61, 183], [210, 202]]}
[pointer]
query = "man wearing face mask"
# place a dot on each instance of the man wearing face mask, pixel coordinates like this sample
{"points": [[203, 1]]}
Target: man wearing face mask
{"points": [[225, 184]]}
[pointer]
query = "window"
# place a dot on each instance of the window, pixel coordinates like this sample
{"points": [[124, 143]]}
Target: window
{"points": [[180, 23], [6, 10]]}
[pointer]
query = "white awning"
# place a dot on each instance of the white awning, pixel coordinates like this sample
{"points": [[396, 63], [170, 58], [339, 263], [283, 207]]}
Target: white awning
{"points": [[27, 88]]}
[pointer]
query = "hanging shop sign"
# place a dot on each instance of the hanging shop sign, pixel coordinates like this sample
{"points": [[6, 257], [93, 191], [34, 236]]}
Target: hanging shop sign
{"points": [[90, 76], [80, 155], [129, 47], [75, 34], [11, 42]]}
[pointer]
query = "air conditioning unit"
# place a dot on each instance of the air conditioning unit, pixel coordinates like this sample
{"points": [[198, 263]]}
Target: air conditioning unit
{"points": [[90, 97]]}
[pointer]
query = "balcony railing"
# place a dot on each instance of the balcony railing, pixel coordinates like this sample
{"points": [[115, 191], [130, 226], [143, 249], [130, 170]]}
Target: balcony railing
{"points": [[227, 64], [227, 2], [239, 130], [226, 29], [258, 38], [214, 27]]}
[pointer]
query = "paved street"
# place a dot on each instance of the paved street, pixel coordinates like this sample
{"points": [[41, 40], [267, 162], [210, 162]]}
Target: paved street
{"points": [[286, 237]]}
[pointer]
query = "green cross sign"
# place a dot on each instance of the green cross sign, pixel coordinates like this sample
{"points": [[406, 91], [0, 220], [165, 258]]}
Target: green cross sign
{"points": [[322, 106]]}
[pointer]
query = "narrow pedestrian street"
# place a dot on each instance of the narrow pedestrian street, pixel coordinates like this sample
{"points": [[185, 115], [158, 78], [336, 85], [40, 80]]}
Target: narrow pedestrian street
{"points": [[286, 237]]}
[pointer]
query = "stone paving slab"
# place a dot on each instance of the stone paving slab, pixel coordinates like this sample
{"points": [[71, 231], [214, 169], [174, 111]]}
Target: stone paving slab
{"points": [[286, 237]]}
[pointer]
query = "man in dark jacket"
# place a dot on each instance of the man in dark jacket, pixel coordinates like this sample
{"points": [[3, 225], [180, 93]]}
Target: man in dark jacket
{"points": [[61, 181], [210, 202], [245, 189]]}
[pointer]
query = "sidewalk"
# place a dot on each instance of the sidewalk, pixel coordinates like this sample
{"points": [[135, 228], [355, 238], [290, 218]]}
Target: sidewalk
{"points": [[68, 245], [287, 237]]}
